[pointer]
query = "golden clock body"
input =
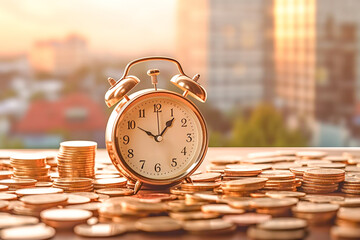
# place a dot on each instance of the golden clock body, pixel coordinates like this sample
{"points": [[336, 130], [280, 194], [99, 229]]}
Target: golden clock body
{"points": [[140, 149]]}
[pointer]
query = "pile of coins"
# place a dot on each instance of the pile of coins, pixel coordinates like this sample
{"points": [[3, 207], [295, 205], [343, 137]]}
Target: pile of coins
{"points": [[30, 166], [77, 159], [322, 180], [272, 195], [74, 184]]}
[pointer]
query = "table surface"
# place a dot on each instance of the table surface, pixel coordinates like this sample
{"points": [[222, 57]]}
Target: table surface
{"points": [[315, 233]]}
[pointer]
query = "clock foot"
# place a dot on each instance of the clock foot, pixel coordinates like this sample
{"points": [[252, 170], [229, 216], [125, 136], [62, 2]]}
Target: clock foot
{"points": [[137, 187], [188, 180]]}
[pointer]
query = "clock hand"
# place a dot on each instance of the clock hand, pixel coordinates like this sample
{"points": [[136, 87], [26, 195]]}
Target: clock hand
{"points": [[147, 132], [168, 124], [157, 119]]}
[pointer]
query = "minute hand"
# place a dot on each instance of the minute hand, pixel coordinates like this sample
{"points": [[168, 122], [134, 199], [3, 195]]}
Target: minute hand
{"points": [[168, 124]]}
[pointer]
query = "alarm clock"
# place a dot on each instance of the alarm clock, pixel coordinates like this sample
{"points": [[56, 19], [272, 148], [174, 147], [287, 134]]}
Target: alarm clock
{"points": [[155, 137]]}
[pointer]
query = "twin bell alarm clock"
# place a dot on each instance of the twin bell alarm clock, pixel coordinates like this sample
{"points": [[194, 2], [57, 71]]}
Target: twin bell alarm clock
{"points": [[154, 137]]}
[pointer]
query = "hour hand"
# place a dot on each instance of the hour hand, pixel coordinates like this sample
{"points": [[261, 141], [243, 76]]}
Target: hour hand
{"points": [[167, 125], [147, 132]]}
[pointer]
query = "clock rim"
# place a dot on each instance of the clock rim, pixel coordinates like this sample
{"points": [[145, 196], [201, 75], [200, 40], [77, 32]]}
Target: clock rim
{"points": [[114, 151]]}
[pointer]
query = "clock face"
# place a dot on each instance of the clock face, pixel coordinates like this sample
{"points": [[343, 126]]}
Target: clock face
{"points": [[160, 136]]}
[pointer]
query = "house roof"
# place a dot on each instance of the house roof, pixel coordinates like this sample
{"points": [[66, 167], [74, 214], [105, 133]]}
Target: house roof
{"points": [[75, 112]]}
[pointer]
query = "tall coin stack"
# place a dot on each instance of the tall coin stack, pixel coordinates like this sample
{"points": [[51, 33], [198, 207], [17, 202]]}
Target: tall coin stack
{"points": [[30, 166], [77, 159]]}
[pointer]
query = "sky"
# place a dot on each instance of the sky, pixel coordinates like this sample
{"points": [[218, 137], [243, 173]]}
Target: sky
{"points": [[125, 27]]}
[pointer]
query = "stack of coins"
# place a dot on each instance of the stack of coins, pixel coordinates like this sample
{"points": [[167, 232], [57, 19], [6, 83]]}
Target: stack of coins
{"points": [[241, 171], [282, 180], [351, 185], [322, 180], [74, 184], [15, 184], [299, 171], [4, 174], [77, 159], [110, 183], [242, 187], [30, 166], [315, 213], [279, 228]]}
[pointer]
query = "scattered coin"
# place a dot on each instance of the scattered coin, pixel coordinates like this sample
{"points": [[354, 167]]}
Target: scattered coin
{"points": [[247, 219], [158, 224], [212, 226], [39, 231], [100, 230], [65, 218]]}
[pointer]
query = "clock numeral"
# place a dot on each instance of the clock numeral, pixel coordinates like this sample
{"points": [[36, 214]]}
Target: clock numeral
{"points": [[183, 122], [189, 138], [143, 163], [173, 162], [172, 112], [141, 113], [157, 167], [130, 153], [184, 151], [131, 124], [157, 107], [126, 139]]}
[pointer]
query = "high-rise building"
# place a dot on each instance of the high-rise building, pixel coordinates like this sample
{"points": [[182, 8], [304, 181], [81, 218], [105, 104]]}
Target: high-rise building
{"points": [[59, 57], [227, 42], [316, 64]]}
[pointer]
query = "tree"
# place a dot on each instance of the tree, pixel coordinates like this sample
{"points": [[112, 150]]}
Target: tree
{"points": [[264, 128]]}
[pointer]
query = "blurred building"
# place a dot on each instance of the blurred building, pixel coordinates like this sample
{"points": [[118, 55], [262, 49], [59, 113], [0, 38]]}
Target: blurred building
{"points": [[73, 117], [59, 57], [316, 56], [228, 43]]}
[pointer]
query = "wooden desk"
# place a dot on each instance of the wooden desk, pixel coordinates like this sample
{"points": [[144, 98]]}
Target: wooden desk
{"points": [[315, 233]]}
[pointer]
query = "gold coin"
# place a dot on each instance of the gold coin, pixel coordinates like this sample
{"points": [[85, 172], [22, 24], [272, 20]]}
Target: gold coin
{"points": [[77, 199], [154, 197], [322, 198], [44, 199], [209, 226], [245, 182], [284, 194], [10, 221], [38, 191], [342, 232], [91, 195], [39, 231], [78, 144], [205, 177], [273, 203], [65, 214], [115, 192], [283, 224], [100, 230], [186, 216], [181, 206], [200, 186], [308, 207], [158, 224], [325, 172], [257, 233], [311, 154], [92, 206], [247, 219], [222, 209], [8, 196], [3, 188], [349, 214]]}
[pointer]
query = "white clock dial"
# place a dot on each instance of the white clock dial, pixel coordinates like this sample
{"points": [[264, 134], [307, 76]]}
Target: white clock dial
{"points": [[159, 137]]}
